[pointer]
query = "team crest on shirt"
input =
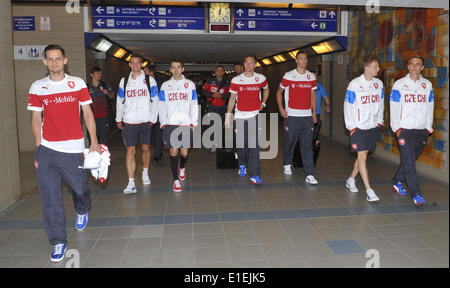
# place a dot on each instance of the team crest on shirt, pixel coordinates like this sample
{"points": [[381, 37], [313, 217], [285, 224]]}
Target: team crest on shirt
{"points": [[401, 141], [354, 146], [186, 85], [308, 76], [36, 164], [144, 81], [256, 79], [424, 85], [375, 85], [71, 84]]}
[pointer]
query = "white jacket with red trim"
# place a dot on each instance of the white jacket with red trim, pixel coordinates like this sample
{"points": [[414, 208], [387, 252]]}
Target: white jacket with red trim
{"points": [[364, 104], [178, 104], [412, 104]]}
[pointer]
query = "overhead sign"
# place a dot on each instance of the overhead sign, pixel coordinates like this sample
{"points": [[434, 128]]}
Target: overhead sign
{"points": [[295, 20], [24, 23], [148, 18]]}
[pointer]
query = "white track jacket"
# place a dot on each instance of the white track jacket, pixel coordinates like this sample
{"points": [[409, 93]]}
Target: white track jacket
{"points": [[141, 105], [364, 104], [178, 103], [412, 104]]}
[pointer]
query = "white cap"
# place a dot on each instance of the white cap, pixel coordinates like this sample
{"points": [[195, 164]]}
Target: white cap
{"points": [[92, 160]]}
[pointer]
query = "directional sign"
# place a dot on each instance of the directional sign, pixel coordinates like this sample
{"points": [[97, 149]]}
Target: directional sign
{"points": [[148, 18], [265, 19]]}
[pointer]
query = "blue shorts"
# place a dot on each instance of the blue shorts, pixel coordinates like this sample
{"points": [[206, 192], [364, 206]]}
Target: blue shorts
{"points": [[363, 140], [178, 136], [131, 133]]}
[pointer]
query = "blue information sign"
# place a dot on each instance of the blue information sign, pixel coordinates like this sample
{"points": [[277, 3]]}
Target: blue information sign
{"points": [[24, 23], [148, 18], [298, 20]]}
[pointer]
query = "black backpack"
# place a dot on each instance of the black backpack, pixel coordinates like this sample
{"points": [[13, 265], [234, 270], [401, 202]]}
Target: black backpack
{"points": [[125, 81]]}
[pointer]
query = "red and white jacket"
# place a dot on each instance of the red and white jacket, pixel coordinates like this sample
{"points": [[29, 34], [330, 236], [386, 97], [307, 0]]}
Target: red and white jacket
{"points": [[60, 103]]}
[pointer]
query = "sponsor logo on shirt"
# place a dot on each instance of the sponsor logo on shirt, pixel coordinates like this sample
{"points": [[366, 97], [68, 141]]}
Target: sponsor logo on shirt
{"points": [[59, 100]]}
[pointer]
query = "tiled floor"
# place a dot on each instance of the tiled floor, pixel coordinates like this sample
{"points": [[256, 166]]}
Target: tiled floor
{"points": [[220, 220]]}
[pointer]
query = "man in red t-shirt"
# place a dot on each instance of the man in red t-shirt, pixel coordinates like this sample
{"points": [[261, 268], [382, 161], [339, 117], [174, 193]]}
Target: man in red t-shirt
{"points": [[299, 87], [99, 92], [59, 142], [245, 92]]}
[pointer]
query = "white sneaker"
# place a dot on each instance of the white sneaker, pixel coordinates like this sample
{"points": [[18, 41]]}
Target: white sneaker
{"points": [[287, 169], [351, 185], [131, 188], [311, 180], [146, 179], [177, 186], [371, 196]]}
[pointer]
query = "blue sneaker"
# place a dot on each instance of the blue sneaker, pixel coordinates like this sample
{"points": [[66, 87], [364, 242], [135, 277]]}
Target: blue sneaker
{"points": [[81, 221], [58, 253], [242, 170], [398, 188], [418, 200], [256, 180]]}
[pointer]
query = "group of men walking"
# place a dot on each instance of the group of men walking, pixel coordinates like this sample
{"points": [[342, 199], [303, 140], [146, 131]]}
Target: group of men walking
{"points": [[141, 105]]}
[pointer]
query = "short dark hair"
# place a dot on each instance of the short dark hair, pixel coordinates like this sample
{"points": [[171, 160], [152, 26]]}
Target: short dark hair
{"points": [[417, 57], [220, 66], [176, 61], [150, 68], [300, 52], [95, 69], [134, 55], [250, 56], [238, 64], [368, 60], [54, 47]]}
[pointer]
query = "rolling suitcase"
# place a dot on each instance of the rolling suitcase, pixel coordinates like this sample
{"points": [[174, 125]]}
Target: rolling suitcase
{"points": [[226, 158], [297, 161]]}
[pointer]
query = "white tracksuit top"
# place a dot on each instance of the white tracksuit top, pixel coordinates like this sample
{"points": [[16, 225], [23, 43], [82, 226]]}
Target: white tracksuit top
{"points": [[412, 104], [141, 105], [364, 104], [178, 103]]}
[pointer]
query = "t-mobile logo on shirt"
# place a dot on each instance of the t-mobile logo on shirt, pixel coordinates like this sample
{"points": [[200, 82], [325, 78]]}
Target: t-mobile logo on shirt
{"points": [[58, 100]]}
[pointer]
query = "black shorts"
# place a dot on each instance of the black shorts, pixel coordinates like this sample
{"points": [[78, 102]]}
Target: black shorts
{"points": [[181, 136], [131, 133], [363, 140]]}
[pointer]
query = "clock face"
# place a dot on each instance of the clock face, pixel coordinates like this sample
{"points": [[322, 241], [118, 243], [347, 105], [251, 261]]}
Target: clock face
{"points": [[219, 13]]}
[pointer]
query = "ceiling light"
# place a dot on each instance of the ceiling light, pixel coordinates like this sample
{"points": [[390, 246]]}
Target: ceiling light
{"points": [[128, 58], [119, 53], [293, 54], [103, 45], [144, 64], [279, 58], [266, 61]]}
